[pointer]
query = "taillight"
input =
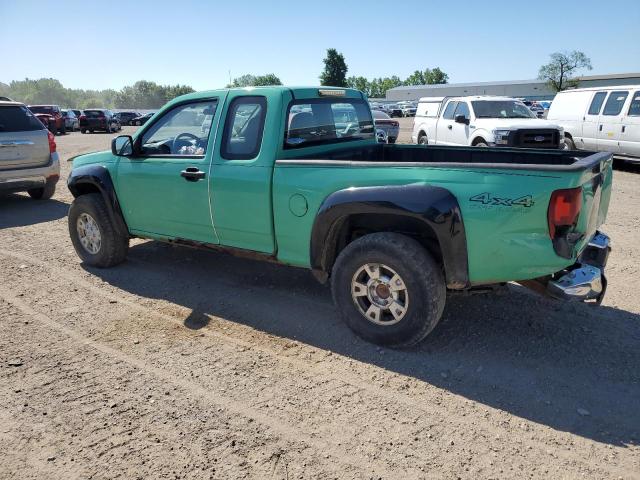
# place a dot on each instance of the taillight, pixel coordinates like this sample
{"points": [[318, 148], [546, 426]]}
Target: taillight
{"points": [[52, 142], [83, 117], [564, 209]]}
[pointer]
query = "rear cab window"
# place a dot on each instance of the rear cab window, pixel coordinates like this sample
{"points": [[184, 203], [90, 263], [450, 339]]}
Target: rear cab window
{"points": [[243, 128], [448, 112], [320, 121], [17, 118], [615, 102]]}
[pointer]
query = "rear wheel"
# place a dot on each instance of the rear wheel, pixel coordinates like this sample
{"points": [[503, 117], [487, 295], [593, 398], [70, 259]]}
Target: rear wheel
{"points": [[44, 193], [63, 129], [388, 289], [422, 139], [481, 144], [93, 234], [83, 130]]}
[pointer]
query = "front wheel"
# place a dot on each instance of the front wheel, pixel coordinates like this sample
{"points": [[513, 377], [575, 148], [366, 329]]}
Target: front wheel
{"points": [[422, 140], [388, 289], [569, 143], [93, 234]]}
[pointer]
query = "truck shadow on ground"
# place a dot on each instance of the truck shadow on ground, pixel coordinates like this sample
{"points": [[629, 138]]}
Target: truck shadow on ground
{"points": [[544, 361], [21, 210]]}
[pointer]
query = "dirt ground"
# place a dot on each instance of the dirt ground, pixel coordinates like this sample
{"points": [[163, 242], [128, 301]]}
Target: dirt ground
{"points": [[188, 364]]}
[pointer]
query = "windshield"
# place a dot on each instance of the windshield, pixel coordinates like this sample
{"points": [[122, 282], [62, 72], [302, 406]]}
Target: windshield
{"points": [[501, 109]]}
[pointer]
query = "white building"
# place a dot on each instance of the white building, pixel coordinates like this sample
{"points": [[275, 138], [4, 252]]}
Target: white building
{"points": [[529, 89]]}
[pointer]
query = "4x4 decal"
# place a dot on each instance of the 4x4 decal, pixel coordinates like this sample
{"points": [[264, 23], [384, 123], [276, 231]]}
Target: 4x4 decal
{"points": [[488, 199]]}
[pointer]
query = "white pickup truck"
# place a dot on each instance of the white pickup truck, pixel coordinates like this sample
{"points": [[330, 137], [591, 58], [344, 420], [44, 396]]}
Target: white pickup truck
{"points": [[483, 121]]}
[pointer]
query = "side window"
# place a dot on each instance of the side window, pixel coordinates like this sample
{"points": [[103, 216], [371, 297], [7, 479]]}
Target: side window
{"points": [[634, 108], [462, 109], [448, 112], [615, 102], [596, 103], [183, 130], [243, 128]]}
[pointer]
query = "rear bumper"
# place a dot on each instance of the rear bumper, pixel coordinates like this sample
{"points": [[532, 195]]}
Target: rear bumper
{"points": [[20, 180], [585, 280]]}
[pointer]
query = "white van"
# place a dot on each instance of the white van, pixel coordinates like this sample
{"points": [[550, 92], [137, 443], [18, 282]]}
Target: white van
{"points": [[602, 119]]}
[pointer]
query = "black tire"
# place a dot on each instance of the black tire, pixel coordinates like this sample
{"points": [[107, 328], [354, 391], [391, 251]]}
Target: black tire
{"points": [[83, 130], [422, 277], [91, 130], [391, 139], [422, 139], [63, 130], [570, 144], [481, 144], [113, 247], [44, 193]]}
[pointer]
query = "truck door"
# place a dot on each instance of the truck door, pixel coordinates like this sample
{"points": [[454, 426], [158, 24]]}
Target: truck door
{"points": [[591, 122], [163, 189], [460, 131], [630, 129], [610, 125], [444, 128], [242, 170]]}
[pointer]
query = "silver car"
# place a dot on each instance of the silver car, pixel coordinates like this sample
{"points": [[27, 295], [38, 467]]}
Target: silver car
{"points": [[28, 158], [384, 122]]}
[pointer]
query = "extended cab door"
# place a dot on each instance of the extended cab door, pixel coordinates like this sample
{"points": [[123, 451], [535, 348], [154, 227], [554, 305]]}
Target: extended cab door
{"points": [[163, 189], [591, 121], [444, 129], [610, 125], [630, 129], [242, 170]]}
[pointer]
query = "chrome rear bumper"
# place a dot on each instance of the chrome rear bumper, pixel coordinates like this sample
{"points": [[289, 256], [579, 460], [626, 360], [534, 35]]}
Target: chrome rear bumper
{"points": [[585, 280]]}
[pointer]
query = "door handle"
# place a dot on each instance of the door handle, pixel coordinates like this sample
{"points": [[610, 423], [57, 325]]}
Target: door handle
{"points": [[600, 128], [192, 174], [449, 127], [623, 128]]}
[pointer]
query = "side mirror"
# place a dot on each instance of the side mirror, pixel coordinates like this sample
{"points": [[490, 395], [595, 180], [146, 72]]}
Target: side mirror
{"points": [[462, 119], [122, 146]]}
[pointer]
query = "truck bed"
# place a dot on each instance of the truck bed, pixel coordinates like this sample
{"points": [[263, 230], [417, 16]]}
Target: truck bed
{"points": [[445, 156]]}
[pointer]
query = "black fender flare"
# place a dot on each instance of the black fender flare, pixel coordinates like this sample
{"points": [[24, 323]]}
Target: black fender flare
{"points": [[435, 206], [97, 177]]}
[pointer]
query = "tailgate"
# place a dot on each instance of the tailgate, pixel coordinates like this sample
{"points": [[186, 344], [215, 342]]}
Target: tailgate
{"points": [[596, 183], [24, 149]]}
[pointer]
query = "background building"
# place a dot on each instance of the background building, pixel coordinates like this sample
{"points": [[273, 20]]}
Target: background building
{"points": [[529, 89]]}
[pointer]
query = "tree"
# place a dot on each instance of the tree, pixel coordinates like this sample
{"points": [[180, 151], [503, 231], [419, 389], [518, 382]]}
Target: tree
{"points": [[335, 70], [360, 83], [560, 70], [428, 77], [255, 81]]}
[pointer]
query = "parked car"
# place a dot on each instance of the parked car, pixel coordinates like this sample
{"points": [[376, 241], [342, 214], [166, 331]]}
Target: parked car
{"points": [[51, 116], [28, 158], [384, 122], [392, 110], [142, 119], [408, 110], [71, 122], [605, 119], [98, 119], [484, 121], [537, 109], [125, 118], [392, 227], [77, 113]]}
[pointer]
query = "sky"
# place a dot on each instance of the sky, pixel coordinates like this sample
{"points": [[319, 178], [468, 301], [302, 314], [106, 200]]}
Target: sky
{"points": [[98, 45]]}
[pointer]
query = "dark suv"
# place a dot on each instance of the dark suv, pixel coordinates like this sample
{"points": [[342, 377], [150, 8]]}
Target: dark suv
{"points": [[126, 117], [98, 119]]}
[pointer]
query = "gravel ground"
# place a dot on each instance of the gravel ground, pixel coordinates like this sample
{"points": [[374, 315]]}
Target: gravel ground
{"points": [[188, 364]]}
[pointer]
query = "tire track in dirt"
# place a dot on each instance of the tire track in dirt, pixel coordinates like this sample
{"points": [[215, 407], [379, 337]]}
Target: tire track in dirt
{"points": [[276, 425], [320, 369]]}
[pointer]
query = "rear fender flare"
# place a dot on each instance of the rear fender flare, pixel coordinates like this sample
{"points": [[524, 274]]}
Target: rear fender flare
{"points": [[434, 206], [90, 178]]}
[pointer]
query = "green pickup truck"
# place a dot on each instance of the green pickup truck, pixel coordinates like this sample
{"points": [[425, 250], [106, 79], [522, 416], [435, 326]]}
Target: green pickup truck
{"points": [[296, 176]]}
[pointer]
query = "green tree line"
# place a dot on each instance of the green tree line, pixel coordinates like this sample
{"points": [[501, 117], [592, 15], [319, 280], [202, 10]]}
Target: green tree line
{"points": [[142, 94]]}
